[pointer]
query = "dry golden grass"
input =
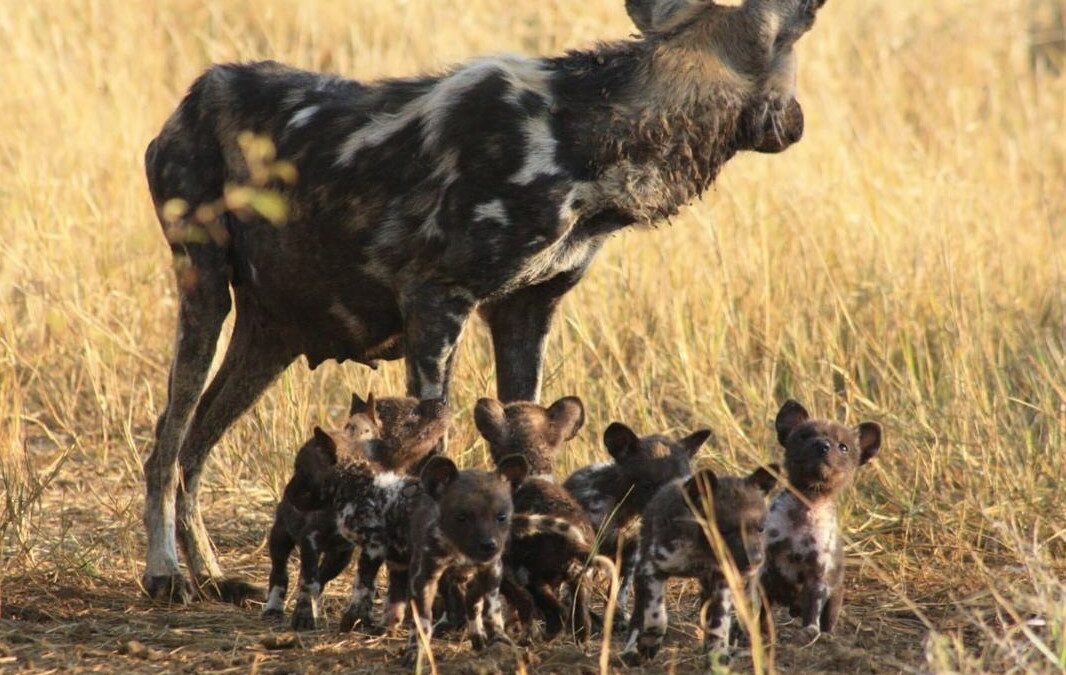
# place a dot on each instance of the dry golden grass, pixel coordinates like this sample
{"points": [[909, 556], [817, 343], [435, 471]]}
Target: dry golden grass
{"points": [[906, 262]]}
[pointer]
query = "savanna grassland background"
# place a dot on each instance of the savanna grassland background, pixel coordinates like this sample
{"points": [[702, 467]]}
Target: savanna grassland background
{"points": [[906, 262]]}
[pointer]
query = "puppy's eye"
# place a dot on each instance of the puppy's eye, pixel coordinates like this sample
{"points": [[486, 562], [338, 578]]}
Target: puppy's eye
{"points": [[462, 518], [501, 517], [843, 447]]}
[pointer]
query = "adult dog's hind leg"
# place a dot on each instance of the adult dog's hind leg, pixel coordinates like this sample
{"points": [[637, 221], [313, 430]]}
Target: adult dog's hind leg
{"points": [[255, 357], [204, 302]]}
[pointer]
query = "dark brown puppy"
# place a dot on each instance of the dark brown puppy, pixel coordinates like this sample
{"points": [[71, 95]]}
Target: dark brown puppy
{"points": [[551, 536], [804, 556], [674, 543], [460, 526], [396, 433], [614, 493]]}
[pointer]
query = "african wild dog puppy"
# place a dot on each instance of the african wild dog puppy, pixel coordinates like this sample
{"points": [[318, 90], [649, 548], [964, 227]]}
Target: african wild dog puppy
{"points": [[804, 555], [418, 202], [614, 493], [674, 543], [395, 433], [551, 535], [460, 527]]}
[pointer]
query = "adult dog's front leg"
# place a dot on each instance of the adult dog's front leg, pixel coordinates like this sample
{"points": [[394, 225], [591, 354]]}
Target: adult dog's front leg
{"points": [[434, 317], [519, 325]]}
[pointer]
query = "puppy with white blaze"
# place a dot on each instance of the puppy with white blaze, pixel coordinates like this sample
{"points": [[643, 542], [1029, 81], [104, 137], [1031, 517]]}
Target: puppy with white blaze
{"points": [[416, 203]]}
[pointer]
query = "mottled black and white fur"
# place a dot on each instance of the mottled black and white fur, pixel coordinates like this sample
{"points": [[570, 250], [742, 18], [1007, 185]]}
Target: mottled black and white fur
{"points": [[552, 539], [415, 203], [379, 436], [675, 542], [804, 554], [615, 493], [460, 527]]}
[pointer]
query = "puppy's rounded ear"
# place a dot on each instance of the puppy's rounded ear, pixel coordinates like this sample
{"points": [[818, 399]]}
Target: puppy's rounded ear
{"points": [[791, 415], [491, 420], [358, 405], [327, 444], [704, 482], [620, 441], [567, 416], [869, 440], [438, 473], [693, 441], [513, 469], [765, 478]]}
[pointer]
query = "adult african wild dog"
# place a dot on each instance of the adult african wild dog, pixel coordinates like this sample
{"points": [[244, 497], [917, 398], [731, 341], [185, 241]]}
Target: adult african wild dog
{"points": [[419, 201]]}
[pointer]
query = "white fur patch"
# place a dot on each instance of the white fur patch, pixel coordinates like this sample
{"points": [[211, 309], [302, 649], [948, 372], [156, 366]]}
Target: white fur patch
{"points": [[675, 559], [540, 152], [432, 107], [162, 545], [275, 600], [493, 210], [302, 117], [817, 532]]}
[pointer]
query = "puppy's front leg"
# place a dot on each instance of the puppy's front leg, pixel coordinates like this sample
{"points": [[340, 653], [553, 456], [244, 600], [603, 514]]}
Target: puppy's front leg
{"points": [[715, 617], [308, 610], [424, 581], [360, 609], [812, 601], [488, 583]]}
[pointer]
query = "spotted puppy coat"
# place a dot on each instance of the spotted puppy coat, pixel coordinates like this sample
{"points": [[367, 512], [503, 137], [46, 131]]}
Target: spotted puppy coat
{"points": [[615, 493], [804, 555], [412, 204], [674, 542], [551, 535], [460, 526], [397, 433]]}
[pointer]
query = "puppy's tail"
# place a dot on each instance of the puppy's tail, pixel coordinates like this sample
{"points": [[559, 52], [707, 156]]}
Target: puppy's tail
{"points": [[525, 525]]}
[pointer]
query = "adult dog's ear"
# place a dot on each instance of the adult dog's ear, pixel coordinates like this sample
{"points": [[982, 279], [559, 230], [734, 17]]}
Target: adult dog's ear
{"points": [[567, 416], [620, 441], [491, 420], [655, 16], [791, 415], [438, 473]]}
